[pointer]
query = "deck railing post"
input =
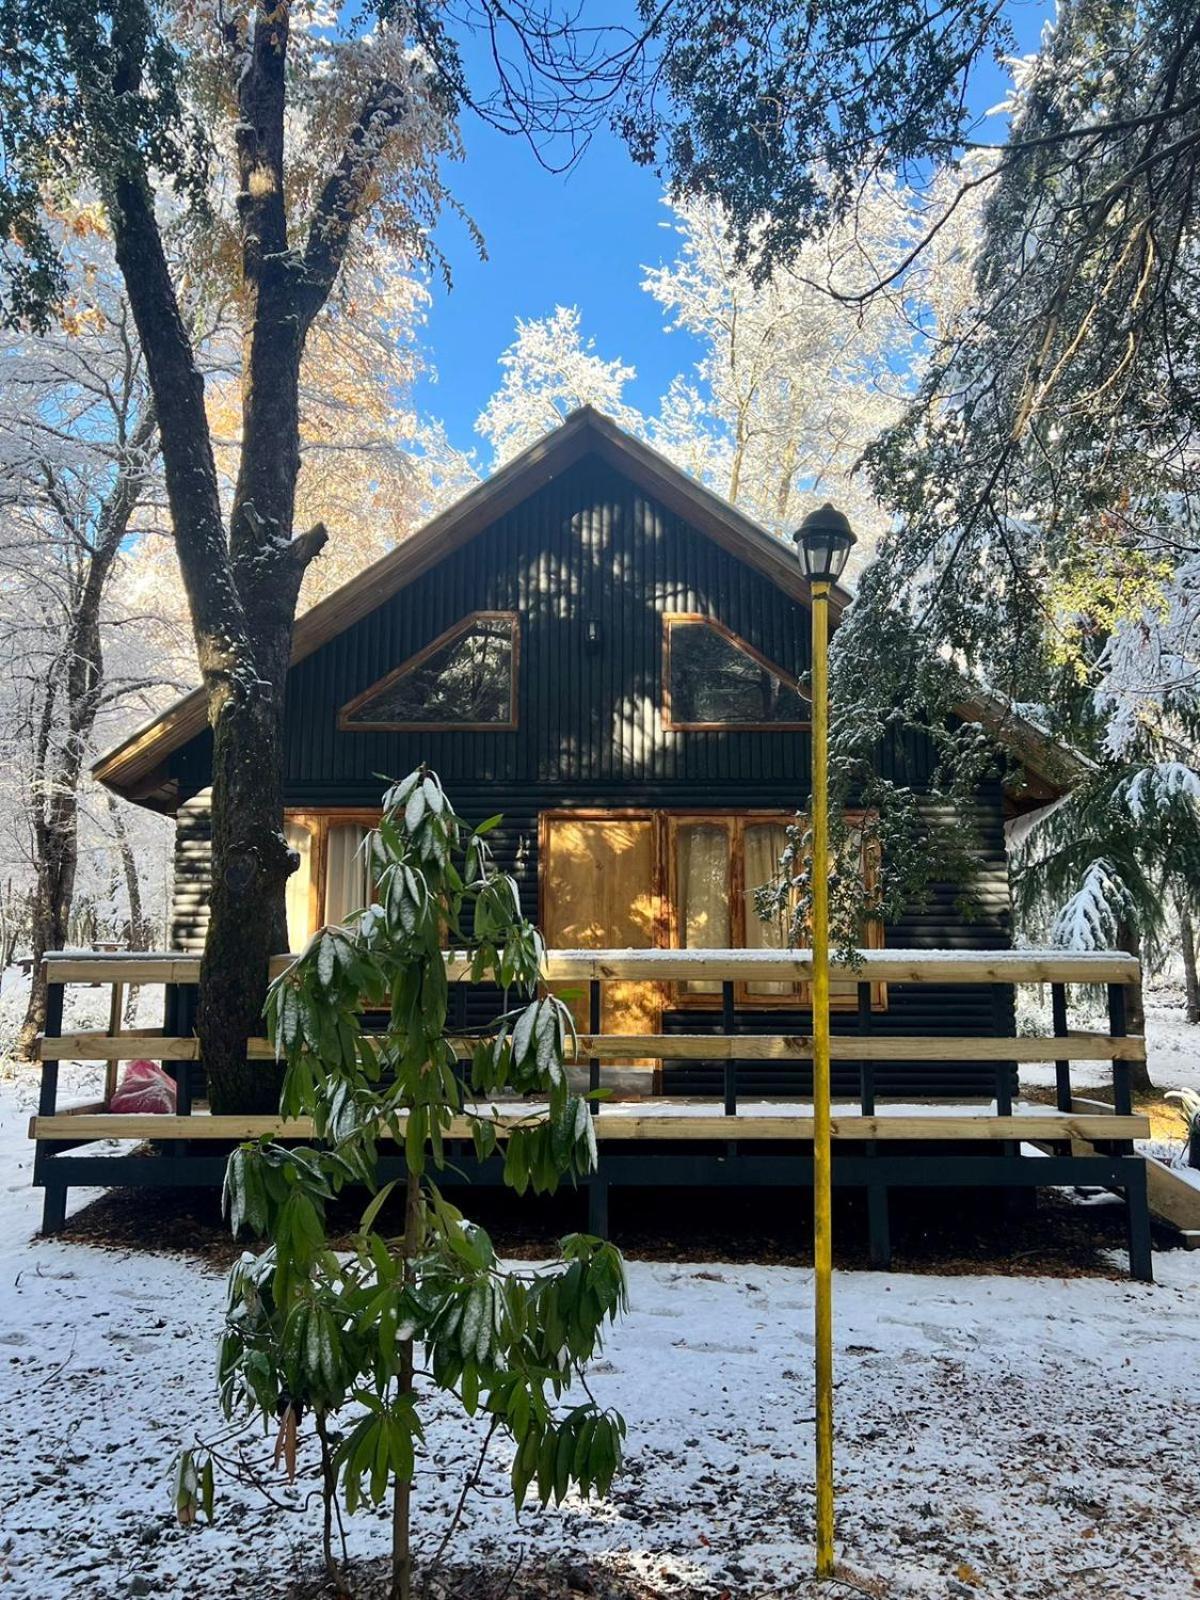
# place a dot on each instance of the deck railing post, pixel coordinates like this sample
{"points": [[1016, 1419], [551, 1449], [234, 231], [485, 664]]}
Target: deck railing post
{"points": [[1118, 1027], [866, 1069], [48, 1092], [1062, 1069], [729, 1029], [181, 1071], [1001, 1018], [115, 1004], [54, 1198], [594, 1026], [597, 1185], [458, 1025]]}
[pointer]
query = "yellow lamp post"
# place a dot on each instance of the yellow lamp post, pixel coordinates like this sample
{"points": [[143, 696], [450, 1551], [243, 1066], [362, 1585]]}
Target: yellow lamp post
{"points": [[824, 540]]}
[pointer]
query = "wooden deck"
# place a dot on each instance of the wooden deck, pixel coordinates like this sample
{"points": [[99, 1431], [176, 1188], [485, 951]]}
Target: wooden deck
{"points": [[724, 1139]]}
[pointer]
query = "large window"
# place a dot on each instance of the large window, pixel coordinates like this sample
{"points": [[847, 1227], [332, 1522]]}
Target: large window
{"points": [[332, 879], [715, 865], [676, 880], [467, 678], [714, 679]]}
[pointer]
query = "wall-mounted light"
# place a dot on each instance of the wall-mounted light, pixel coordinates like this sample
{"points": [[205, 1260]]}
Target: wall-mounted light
{"points": [[592, 635]]}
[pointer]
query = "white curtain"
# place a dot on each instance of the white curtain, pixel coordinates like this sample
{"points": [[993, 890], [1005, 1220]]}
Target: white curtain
{"points": [[702, 888], [299, 886], [762, 845], [347, 880]]}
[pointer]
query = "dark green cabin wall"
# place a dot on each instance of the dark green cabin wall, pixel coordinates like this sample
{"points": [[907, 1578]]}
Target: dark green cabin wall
{"points": [[590, 544], [590, 732]]}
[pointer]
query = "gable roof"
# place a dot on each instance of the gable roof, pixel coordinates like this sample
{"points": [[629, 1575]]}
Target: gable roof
{"points": [[136, 767]]}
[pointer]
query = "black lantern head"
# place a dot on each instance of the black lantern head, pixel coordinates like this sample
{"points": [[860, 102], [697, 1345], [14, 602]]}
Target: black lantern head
{"points": [[823, 542]]}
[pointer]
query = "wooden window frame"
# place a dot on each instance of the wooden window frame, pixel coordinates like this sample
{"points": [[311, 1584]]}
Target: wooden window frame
{"points": [[348, 722], [665, 824], [657, 890], [318, 820], [670, 618]]}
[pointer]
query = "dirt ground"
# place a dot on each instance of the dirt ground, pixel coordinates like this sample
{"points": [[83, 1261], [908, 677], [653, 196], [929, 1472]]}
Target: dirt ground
{"points": [[1065, 1234]]}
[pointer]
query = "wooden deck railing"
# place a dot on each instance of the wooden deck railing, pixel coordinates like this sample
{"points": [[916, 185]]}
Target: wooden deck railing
{"points": [[868, 1045], [914, 1141]]}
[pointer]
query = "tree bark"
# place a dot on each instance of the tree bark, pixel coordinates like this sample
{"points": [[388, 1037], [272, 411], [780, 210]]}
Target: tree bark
{"points": [[136, 931], [1187, 941], [402, 1566], [242, 591], [244, 681]]}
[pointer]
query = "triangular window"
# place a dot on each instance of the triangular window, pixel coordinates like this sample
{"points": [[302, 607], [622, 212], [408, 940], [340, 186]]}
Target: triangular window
{"points": [[714, 679], [467, 678]]}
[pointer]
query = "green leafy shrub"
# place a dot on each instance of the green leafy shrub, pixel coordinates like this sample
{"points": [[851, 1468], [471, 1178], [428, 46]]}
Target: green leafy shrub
{"points": [[347, 1341]]}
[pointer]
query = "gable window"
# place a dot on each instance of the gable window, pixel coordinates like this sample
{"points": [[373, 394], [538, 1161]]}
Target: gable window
{"points": [[465, 679], [332, 879], [714, 679]]}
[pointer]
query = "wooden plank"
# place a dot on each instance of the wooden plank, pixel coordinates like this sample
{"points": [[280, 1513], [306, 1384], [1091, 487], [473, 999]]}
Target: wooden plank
{"points": [[1172, 1196], [968, 1126], [884, 966], [77, 966], [894, 966], [671, 1047], [876, 1047], [129, 1047]]}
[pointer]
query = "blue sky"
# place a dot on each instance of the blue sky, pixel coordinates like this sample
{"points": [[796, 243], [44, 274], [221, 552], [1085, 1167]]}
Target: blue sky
{"points": [[576, 239]]}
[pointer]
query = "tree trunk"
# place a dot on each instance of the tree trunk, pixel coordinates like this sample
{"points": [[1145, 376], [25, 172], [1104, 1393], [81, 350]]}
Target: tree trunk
{"points": [[77, 681], [250, 866], [402, 1495], [243, 658], [135, 925], [242, 590], [136, 930], [56, 852], [1187, 941]]}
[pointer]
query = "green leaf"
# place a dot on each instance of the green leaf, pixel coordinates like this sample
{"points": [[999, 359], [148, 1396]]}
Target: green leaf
{"points": [[376, 1206], [470, 1388]]}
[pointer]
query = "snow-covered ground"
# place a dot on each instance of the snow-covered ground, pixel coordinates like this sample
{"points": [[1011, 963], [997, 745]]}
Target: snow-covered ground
{"points": [[1001, 1437]]}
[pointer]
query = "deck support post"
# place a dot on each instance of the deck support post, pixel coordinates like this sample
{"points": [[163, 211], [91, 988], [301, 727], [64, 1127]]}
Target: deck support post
{"points": [[598, 1205], [54, 1207], [1137, 1223], [879, 1232]]}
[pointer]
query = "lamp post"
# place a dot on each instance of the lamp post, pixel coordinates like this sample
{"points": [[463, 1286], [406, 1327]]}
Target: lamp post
{"points": [[823, 543]]}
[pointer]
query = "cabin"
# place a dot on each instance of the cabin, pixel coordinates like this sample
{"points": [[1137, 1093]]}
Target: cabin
{"points": [[597, 647]]}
